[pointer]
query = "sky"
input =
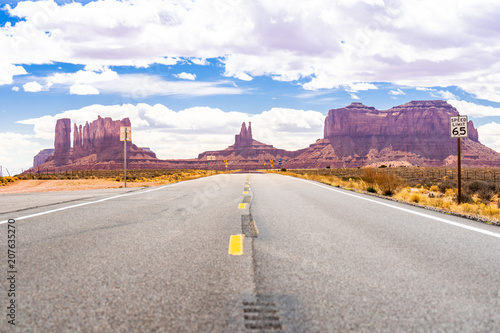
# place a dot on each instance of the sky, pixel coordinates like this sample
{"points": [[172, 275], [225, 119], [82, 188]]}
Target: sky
{"points": [[188, 72]]}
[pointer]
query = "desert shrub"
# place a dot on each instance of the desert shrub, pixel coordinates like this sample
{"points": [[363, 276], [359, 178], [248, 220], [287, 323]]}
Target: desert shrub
{"points": [[447, 184], [475, 186], [388, 182], [350, 179], [434, 188], [466, 198], [283, 169], [415, 198], [383, 166], [485, 194], [368, 175], [371, 189], [388, 193]]}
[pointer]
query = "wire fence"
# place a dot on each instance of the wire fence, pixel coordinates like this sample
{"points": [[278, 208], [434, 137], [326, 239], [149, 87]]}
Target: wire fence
{"points": [[423, 175]]}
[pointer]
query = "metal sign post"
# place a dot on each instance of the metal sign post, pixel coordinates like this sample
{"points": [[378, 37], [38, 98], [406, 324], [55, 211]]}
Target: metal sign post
{"points": [[210, 158], [459, 129], [125, 135]]}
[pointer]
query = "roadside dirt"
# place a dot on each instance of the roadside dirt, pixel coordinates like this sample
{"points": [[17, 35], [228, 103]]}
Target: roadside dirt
{"points": [[29, 186]]}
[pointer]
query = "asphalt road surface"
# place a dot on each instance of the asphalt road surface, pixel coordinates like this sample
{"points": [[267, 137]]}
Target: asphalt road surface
{"points": [[315, 259]]}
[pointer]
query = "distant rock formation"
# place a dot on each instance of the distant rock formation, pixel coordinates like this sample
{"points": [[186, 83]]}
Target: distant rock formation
{"points": [[42, 156], [245, 136], [246, 150], [94, 143], [416, 133], [62, 141], [101, 137], [419, 127]]}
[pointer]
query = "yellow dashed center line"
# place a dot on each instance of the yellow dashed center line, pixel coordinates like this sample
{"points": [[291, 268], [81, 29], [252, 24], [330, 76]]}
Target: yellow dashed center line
{"points": [[242, 206], [245, 192], [236, 245]]}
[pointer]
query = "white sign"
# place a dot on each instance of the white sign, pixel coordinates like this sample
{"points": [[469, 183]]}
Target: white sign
{"points": [[458, 127], [122, 133], [211, 157]]}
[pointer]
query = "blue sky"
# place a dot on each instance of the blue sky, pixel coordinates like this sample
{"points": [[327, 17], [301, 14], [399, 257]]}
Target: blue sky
{"points": [[188, 73]]}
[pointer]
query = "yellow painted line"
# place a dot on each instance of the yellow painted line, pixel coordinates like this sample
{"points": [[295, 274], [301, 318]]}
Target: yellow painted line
{"points": [[245, 192], [247, 185], [242, 206], [236, 245]]}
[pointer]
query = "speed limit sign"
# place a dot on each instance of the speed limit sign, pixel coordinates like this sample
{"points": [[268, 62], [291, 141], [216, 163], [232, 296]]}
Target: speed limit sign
{"points": [[458, 127]]}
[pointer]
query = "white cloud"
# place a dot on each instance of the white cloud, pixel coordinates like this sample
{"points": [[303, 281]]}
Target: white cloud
{"points": [[199, 61], [396, 92], [90, 75], [354, 96], [330, 43], [186, 133], [489, 135], [139, 86], [186, 76], [33, 87], [95, 79], [169, 61], [243, 76], [17, 151], [288, 129], [8, 71], [360, 86], [475, 110], [436, 93], [83, 89], [15, 88]]}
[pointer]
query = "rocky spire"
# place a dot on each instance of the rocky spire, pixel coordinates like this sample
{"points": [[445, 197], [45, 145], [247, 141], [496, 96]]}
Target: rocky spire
{"points": [[62, 141], [245, 136]]}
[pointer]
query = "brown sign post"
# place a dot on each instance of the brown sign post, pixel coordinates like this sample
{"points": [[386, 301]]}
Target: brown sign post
{"points": [[459, 129], [125, 135]]}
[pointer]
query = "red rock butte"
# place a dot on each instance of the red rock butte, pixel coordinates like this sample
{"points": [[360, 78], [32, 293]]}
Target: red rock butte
{"points": [[416, 133]]}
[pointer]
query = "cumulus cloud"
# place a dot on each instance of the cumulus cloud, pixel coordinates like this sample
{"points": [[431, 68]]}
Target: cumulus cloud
{"points": [[83, 89], [17, 151], [396, 92], [96, 79], [475, 110], [436, 93], [8, 71], [33, 87], [188, 132], [360, 86], [488, 135], [186, 76], [326, 43]]}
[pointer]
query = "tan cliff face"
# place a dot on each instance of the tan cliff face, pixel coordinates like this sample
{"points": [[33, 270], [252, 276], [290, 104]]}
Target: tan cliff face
{"points": [[419, 127], [98, 141]]}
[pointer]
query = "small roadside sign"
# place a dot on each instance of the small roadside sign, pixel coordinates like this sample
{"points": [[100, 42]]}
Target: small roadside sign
{"points": [[280, 161], [458, 127], [128, 131]]}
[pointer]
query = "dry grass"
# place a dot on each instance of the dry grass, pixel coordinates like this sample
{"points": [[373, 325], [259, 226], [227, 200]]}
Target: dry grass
{"points": [[99, 180], [483, 197]]}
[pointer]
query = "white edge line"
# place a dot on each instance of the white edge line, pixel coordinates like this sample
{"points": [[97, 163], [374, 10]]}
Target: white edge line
{"points": [[86, 203], [486, 232]]}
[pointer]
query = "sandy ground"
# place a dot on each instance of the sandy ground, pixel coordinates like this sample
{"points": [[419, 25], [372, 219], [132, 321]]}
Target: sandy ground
{"points": [[29, 186]]}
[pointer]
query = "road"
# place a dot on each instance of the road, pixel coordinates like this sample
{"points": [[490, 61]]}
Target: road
{"points": [[315, 259]]}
